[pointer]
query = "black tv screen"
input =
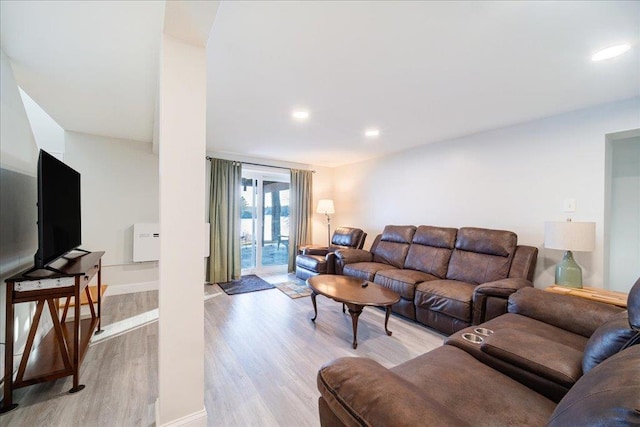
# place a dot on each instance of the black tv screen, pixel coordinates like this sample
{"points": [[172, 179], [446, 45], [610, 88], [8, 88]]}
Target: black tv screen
{"points": [[59, 226]]}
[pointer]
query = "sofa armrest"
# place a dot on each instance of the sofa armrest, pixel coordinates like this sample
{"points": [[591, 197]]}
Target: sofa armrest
{"points": [[350, 256], [360, 391], [331, 262], [490, 299], [541, 356], [315, 250], [573, 314], [501, 288]]}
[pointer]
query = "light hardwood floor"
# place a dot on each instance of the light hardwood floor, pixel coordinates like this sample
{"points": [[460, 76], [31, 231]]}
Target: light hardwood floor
{"points": [[262, 354]]}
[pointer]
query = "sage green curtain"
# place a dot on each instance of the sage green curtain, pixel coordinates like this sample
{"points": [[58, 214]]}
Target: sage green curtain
{"points": [[300, 212], [224, 217]]}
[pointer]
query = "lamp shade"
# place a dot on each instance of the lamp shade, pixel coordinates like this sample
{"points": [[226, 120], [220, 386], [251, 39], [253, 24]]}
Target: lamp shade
{"points": [[325, 206], [570, 236]]}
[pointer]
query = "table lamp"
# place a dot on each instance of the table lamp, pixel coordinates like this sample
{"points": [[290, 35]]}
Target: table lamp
{"points": [[569, 236], [325, 206]]}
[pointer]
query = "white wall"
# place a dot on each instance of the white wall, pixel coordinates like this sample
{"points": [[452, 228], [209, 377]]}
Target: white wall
{"points": [[119, 188], [514, 178], [19, 150], [18, 197], [48, 134], [624, 267], [322, 188]]}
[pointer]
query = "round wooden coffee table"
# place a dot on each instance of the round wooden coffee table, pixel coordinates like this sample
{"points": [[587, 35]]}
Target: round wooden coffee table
{"points": [[355, 294]]}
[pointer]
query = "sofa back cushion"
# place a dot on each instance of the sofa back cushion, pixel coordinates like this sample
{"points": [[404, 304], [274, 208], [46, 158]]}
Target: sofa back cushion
{"points": [[431, 249], [552, 309], [608, 395], [347, 237], [482, 255], [607, 340], [394, 244]]}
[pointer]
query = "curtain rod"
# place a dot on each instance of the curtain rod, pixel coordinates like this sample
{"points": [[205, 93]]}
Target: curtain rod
{"points": [[259, 164]]}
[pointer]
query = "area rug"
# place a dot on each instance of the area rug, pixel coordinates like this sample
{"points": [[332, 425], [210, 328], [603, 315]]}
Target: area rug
{"points": [[248, 283], [294, 290]]}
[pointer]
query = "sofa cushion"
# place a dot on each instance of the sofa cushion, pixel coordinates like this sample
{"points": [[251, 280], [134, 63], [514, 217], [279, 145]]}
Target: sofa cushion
{"points": [[544, 357], [317, 263], [478, 394], [361, 392], [391, 253], [394, 244], [365, 270], [481, 255], [607, 340], [431, 249], [346, 237], [398, 233], [449, 297], [402, 281], [609, 395], [484, 241]]}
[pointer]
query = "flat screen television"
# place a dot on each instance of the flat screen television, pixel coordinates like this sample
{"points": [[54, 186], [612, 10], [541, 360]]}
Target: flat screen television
{"points": [[59, 224]]}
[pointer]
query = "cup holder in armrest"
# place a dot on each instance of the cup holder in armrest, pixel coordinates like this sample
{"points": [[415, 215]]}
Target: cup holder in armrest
{"points": [[483, 331], [472, 338]]}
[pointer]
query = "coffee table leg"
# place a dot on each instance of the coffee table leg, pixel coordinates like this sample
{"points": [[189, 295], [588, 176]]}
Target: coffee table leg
{"points": [[386, 320], [315, 308], [354, 311]]}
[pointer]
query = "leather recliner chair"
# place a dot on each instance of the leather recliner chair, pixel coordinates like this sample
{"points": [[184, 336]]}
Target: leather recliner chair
{"points": [[314, 260]]}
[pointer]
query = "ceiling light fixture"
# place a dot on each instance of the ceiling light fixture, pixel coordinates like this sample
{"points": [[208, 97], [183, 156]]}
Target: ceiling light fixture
{"points": [[300, 115], [371, 133], [611, 52]]}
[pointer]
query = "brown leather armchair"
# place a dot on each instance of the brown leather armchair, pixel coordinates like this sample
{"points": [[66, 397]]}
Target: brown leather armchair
{"points": [[314, 260]]}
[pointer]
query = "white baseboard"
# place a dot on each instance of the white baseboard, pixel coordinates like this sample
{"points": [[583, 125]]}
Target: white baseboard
{"points": [[195, 419], [125, 325], [130, 288]]}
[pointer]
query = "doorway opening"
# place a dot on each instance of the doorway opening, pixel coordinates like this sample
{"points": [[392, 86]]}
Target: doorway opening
{"points": [[622, 210], [264, 230]]}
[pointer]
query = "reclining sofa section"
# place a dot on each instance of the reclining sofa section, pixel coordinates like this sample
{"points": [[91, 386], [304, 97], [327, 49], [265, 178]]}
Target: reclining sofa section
{"points": [[447, 278]]}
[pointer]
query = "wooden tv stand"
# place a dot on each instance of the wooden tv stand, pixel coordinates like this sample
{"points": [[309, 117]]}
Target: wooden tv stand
{"points": [[61, 351]]}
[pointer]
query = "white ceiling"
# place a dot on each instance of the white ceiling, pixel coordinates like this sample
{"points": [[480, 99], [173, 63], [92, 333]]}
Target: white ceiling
{"points": [[92, 66], [420, 71]]}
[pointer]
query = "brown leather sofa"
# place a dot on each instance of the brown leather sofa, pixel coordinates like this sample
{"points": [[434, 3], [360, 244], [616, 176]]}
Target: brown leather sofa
{"points": [[314, 260], [452, 386], [447, 278]]}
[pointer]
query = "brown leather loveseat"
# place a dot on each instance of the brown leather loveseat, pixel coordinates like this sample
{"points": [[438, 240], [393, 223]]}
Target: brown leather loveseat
{"points": [[447, 278], [530, 381]]}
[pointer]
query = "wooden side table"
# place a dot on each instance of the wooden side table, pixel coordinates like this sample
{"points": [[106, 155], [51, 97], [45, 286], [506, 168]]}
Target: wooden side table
{"points": [[594, 294]]}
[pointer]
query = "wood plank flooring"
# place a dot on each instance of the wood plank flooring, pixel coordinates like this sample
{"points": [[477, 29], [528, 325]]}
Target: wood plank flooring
{"points": [[262, 354]]}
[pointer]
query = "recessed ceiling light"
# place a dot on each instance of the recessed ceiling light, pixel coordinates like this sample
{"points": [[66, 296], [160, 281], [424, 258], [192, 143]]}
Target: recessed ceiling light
{"points": [[371, 133], [610, 52], [300, 115]]}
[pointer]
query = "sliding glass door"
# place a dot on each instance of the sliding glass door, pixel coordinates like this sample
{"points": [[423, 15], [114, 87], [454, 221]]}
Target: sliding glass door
{"points": [[264, 234]]}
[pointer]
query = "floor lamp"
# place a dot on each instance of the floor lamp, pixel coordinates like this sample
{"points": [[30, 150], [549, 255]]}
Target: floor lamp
{"points": [[325, 206]]}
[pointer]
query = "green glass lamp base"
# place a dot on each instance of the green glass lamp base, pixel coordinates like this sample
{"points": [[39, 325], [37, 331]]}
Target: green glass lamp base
{"points": [[568, 272]]}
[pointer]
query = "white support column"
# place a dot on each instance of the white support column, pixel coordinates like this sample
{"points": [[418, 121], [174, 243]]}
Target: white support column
{"points": [[182, 118]]}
